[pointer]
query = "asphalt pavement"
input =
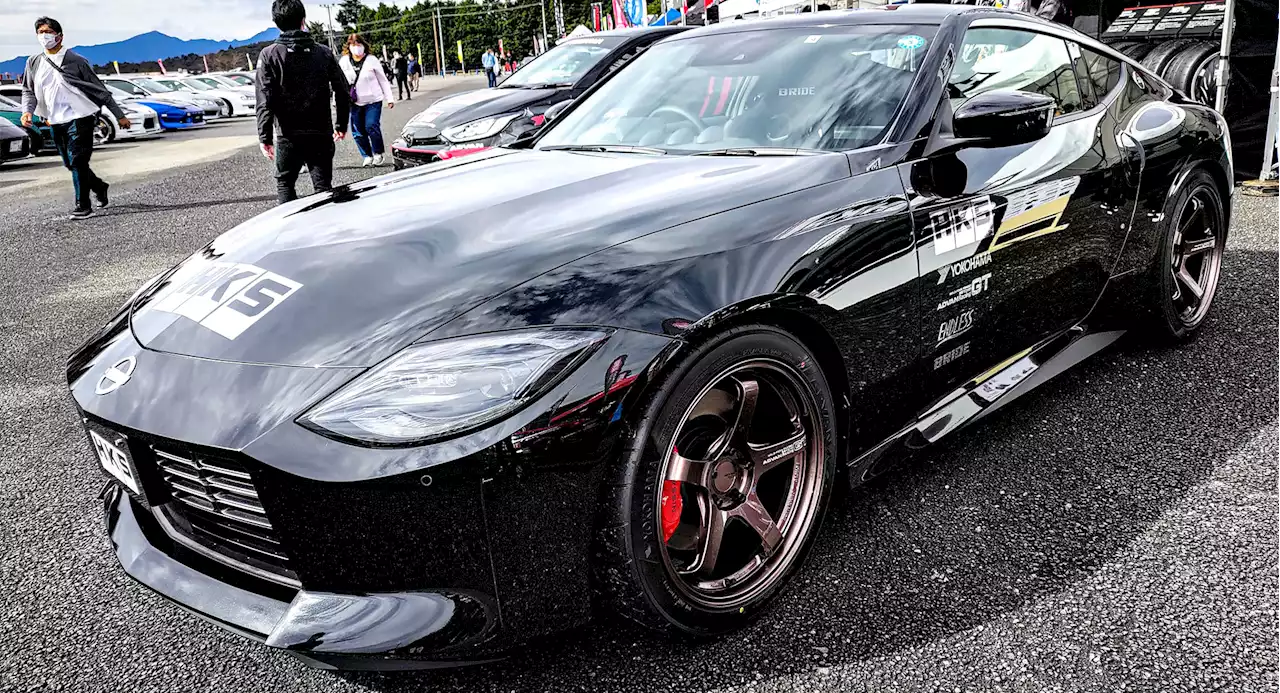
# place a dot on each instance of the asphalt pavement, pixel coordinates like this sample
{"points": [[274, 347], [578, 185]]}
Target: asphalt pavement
{"points": [[1114, 531]]}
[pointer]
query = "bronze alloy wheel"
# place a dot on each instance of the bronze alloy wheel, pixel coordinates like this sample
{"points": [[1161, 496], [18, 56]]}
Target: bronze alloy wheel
{"points": [[747, 465], [1196, 257]]}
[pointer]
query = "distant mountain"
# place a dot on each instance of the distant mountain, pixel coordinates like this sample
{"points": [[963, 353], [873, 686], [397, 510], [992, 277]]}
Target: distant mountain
{"points": [[152, 45]]}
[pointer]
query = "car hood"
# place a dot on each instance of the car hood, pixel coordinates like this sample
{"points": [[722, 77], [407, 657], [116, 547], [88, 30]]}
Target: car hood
{"points": [[9, 131], [350, 277], [473, 105]]}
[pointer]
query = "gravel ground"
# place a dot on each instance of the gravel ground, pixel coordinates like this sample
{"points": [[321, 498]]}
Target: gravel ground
{"points": [[1115, 531]]}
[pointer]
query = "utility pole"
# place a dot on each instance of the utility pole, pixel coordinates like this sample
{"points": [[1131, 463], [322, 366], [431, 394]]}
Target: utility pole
{"points": [[542, 5], [435, 41], [329, 33]]}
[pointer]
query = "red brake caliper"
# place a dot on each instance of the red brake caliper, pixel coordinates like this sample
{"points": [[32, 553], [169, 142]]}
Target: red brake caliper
{"points": [[672, 506]]}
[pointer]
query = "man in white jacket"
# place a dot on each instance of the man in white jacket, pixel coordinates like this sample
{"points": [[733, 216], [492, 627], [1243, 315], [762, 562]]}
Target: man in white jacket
{"points": [[369, 90]]}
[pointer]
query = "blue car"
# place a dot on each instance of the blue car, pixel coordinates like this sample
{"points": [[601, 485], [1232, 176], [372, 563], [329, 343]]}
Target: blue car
{"points": [[176, 117]]}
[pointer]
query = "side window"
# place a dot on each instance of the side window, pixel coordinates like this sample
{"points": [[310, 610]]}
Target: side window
{"points": [[1013, 59], [1103, 73]]}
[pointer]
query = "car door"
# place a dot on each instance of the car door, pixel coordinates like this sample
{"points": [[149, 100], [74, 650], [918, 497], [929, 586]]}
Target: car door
{"points": [[1014, 243]]}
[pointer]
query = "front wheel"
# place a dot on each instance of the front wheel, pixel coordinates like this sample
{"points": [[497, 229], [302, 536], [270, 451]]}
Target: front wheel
{"points": [[723, 489], [1184, 277], [104, 131]]}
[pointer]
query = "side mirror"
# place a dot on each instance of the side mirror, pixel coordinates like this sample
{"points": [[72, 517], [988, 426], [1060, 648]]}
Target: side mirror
{"points": [[555, 111], [1003, 118]]}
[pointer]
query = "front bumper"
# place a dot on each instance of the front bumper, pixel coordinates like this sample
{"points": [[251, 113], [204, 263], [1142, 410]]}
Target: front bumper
{"points": [[143, 127], [494, 527], [338, 631], [403, 157]]}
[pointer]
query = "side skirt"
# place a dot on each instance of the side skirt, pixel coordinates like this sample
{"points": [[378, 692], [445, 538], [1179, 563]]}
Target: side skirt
{"points": [[981, 396]]}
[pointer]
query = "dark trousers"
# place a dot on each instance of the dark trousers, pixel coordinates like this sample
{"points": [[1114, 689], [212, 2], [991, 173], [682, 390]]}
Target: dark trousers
{"points": [[74, 141], [402, 87], [315, 151], [492, 74], [366, 128]]}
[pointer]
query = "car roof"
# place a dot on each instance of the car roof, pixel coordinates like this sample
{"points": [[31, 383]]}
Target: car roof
{"points": [[632, 32], [915, 13]]}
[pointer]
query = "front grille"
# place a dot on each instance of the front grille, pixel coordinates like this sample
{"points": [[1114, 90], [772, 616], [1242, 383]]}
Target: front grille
{"points": [[149, 123], [215, 505]]}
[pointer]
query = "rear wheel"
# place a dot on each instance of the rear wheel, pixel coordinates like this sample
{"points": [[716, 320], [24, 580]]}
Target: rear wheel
{"points": [[721, 493], [1184, 277]]}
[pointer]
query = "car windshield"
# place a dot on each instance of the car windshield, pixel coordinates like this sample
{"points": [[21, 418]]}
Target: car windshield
{"points": [[241, 80], [119, 94], [810, 88], [563, 65], [152, 85], [196, 85], [9, 105]]}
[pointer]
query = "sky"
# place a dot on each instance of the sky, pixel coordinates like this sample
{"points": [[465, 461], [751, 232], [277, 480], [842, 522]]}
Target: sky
{"points": [[89, 22]]}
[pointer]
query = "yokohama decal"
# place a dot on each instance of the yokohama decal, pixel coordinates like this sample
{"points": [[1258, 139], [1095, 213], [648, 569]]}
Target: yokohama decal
{"points": [[228, 297]]}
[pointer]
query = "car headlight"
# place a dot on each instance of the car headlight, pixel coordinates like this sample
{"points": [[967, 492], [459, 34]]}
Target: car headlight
{"points": [[442, 389], [247, 97], [478, 129]]}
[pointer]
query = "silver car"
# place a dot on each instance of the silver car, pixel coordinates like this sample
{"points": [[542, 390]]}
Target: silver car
{"points": [[139, 85]]}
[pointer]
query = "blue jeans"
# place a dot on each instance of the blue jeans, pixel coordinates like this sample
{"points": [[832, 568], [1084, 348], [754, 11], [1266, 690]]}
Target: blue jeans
{"points": [[74, 141], [366, 129]]}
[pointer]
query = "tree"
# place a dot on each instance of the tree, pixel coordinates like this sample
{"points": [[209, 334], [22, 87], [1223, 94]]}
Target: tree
{"points": [[350, 12]]}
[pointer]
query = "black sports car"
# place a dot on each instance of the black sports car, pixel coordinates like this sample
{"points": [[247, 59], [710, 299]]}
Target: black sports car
{"points": [[552, 377], [485, 118], [14, 142]]}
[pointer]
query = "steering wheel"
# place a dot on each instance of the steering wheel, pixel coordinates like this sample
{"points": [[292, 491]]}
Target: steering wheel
{"points": [[777, 128], [677, 110]]}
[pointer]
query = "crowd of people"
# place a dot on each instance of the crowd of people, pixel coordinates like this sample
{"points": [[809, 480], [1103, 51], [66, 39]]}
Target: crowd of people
{"points": [[308, 98]]}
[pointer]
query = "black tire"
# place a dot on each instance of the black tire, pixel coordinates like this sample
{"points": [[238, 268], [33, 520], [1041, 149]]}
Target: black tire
{"points": [[635, 576], [1165, 319], [1158, 59], [1183, 67], [1138, 51], [1123, 46]]}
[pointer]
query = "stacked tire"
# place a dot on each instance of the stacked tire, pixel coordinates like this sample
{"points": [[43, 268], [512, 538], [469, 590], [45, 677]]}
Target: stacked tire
{"points": [[1190, 66]]}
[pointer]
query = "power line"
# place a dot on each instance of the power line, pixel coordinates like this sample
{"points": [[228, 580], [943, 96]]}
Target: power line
{"points": [[385, 24]]}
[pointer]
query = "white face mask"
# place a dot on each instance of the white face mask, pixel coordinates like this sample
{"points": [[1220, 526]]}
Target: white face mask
{"points": [[357, 51], [48, 40]]}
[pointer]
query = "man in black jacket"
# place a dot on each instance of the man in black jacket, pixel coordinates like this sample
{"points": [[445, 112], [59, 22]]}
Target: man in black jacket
{"points": [[296, 77]]}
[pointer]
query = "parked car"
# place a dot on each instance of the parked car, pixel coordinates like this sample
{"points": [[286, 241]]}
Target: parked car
{"points": [[144, 120], [624, 364], [474, 120], [244, 79], [14, 142], [239, 101], [212, 108], [40, 135]]}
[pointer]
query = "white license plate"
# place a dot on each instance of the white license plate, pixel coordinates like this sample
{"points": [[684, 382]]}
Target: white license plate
{"points": [[114, 457]]}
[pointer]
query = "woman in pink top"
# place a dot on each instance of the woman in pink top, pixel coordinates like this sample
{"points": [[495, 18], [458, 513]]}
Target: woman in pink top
{"points": [[369, 89]]}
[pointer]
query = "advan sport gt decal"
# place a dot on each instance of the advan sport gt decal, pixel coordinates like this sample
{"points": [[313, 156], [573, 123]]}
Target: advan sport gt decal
{"points": [[228, 297]]}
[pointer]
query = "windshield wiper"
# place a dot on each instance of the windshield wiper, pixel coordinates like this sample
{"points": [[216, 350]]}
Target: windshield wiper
{"points": [[622, 148], [758, 151]]}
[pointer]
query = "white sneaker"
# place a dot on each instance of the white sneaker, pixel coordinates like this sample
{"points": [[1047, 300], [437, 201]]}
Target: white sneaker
{"points": [[378, 159], [367, 162]]}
